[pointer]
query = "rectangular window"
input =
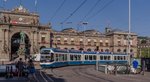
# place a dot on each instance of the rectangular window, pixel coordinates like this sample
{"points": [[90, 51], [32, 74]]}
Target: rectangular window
{"points": [[89, 43], [65, 42], [81, 42], [95, 43], [72, 42], [106, 44], [101, 44], [119, 43], [43, 39]]}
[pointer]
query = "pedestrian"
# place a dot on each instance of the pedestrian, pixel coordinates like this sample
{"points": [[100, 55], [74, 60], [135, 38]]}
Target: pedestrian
{"points": [[20, 66], [31, 69]]}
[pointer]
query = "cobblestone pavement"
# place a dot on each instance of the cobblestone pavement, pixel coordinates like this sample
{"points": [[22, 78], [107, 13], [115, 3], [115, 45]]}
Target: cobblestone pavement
{"points": [[89, 74]]}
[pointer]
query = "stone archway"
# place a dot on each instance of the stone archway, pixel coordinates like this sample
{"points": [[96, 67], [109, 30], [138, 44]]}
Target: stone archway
{"points": [[15, 43]]}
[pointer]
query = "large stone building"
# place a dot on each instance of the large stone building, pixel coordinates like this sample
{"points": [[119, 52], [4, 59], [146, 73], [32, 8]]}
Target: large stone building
{"points": [[143, 47], [20, 20], [115, 41], [12, 23]]}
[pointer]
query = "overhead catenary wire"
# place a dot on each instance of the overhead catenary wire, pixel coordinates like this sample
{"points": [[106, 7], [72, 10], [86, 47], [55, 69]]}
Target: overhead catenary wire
{"points": [[58, 9], [92, 8], [74, 11], [100, 10]]}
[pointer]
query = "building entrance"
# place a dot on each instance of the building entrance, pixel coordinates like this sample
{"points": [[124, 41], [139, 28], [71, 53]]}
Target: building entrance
{"points": [[15, 44]]}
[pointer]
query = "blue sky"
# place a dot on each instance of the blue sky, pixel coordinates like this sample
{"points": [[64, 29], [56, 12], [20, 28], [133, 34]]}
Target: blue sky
{"points": [[114, 14]]}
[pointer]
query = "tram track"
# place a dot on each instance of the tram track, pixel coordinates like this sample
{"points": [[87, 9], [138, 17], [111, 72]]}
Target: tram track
{"points": [[82, 71], [42, 77]]}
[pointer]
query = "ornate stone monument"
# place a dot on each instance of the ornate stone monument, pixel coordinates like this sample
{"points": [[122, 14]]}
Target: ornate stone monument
{"points": [[21, 50]]}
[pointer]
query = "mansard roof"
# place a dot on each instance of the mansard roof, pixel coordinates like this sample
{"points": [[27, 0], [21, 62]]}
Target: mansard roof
{"points": [[118, 31], [91, 31], [72, 30]]}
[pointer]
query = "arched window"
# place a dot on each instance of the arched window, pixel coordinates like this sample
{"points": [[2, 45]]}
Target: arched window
{"points": [[124, 50], [101, 50], [65, 48], [42, 47], [88, 49], [107, 50], [119, 50], [131, 50], [72, 48], [81, 49]]}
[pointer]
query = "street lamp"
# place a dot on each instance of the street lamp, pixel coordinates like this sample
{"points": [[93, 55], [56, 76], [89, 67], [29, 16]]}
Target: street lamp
{"points": [[129, 31], [84, 23]]}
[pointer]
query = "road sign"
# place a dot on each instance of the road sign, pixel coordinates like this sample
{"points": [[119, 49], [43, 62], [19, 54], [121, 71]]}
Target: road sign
{"points": [[135, 64]]}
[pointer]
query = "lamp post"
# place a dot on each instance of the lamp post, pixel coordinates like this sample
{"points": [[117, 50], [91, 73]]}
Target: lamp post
{"points": [[129, 31], [84, 23]]}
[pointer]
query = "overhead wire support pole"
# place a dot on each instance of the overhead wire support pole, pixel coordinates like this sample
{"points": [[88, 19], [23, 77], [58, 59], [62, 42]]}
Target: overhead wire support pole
{"points": [[84, 23], [129, 32]]}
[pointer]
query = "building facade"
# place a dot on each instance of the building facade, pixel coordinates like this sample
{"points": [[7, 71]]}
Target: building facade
{"points": [[143, 47], [12, 23], [115, 41]]}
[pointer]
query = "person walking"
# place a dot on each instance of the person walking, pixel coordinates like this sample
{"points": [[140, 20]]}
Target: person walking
{"points": [[20, 66], [31, 69]]}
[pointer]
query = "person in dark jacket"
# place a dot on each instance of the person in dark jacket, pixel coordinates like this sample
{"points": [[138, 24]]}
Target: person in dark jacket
{"points": [[20, 66]]}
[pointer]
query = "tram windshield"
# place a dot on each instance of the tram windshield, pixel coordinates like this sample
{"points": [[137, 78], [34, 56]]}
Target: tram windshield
{"points": [[46, 56], [45, 51]]}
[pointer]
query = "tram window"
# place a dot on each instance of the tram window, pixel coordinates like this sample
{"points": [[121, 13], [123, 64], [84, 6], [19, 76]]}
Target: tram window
{"points": [[86, 57], [118, 57], [52, 57], [75, 57], [90, 57], [45, 51], [124, 57], [108, 57], [65, 57], [42, 57], [115, 57], [47, 57], [79, 57], [121, 57], [57, 57], [105, 57], [60, 57], [71, 57], [101, 58], [94, 57]]}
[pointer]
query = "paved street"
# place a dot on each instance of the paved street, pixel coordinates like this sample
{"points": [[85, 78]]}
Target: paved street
{"points": [[86, 73], [89, 74]]}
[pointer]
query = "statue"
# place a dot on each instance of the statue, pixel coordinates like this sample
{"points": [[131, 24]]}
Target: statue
{"points": [[23, 36]]}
